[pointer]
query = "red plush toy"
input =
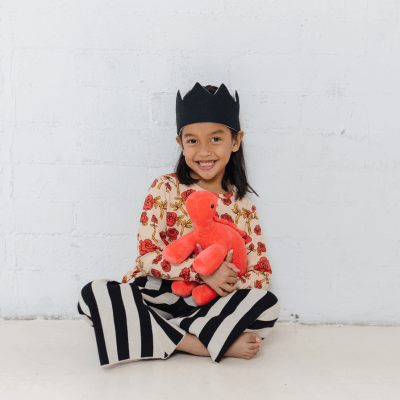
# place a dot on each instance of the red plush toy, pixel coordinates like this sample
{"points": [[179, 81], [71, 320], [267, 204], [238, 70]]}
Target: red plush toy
{"points": [[215, 236]]}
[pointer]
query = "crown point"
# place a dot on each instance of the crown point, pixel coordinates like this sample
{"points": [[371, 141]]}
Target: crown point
{"points": [[197, 88], [179, 96], [222, 86], [223, 91]]}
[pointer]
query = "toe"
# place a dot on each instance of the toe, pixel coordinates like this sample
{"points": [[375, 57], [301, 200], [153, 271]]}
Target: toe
{"points": [[254, 338]]}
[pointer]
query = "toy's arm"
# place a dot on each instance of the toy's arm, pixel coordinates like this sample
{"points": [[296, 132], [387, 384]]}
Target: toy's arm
{"points": [[259, 270], [154, 234], [180, 249], [209, 260]]}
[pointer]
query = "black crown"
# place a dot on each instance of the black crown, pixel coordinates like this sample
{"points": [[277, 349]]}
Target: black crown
{"points": [[199, 105]]}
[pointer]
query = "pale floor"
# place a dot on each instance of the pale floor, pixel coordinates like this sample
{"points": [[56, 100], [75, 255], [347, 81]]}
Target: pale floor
{"points": [[42, 359]]}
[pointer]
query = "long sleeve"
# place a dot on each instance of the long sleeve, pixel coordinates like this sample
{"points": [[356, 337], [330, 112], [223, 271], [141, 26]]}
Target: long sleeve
{"points": [[156, 231], [258, 268]]}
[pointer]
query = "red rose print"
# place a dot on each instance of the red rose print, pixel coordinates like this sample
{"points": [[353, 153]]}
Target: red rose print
{"points": [[171, 218], [257, 285], [143, 218], [226, 200], [166, 266], [145, 246], [247, 238], [263, 265], [186, 194], [168, 186], [156, 273], [124, 280], [172, 233], [261, 247], [157, 259], [197, 278], [227, 217], [148, 203], [185, 274], [154, 219], [163, 235], [253, 209], [257, 230], [251, 247], [248, 212], [154, 183]]}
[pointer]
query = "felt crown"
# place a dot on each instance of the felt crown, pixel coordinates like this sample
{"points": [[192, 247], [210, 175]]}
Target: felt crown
{"points": [[199, 105]]}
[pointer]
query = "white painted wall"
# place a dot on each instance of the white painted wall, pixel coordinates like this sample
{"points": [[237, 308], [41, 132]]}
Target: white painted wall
{"points": [[87, 108]]}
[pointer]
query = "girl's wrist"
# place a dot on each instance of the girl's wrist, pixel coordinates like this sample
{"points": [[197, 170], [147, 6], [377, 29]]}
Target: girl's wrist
{"points": [[204, 278]]}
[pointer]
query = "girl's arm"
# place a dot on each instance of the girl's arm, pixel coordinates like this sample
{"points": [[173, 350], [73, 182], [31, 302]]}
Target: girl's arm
{"points": [[258, 267], [154, 235]]}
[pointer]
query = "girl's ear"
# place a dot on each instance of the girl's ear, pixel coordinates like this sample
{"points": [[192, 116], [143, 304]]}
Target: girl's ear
{"points": [[178, 139], [238, 140]]}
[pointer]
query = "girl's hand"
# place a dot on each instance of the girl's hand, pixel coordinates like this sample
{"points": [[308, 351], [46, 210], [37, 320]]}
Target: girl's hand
{"points": [[224, 277]]}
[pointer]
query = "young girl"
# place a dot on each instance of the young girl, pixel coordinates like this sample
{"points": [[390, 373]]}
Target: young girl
{"points": [[140, 317]]}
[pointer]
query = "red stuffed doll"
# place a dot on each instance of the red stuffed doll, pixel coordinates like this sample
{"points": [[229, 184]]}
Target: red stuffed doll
{"points": [[215, 236]]}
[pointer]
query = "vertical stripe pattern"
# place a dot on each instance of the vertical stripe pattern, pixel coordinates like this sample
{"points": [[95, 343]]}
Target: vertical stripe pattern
{"points": [[143, 319]]}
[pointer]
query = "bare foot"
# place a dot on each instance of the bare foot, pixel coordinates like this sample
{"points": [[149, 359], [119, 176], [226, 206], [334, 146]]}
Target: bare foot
{"points": [[245, 346]]}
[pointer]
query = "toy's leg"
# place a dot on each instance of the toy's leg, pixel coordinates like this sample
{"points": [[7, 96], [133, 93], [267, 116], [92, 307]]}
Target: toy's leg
{"points": [[203, 294], [182, 288]]}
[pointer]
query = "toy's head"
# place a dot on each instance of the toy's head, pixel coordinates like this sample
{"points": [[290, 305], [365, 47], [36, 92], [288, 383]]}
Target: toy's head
{"points": [[202, 207]]}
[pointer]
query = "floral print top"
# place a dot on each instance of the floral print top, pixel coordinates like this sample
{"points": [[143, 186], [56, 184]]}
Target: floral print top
{"points": [[165, 219]]}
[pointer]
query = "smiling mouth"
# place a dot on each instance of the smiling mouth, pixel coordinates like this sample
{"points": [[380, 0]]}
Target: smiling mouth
{"points": [[206, 164]]}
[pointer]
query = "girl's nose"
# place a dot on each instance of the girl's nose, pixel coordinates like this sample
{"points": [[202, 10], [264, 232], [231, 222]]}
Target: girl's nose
{"points": [[205, 149]]}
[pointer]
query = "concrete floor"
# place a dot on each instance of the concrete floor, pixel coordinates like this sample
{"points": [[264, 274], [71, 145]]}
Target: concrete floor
{"points": [[42, 359]]}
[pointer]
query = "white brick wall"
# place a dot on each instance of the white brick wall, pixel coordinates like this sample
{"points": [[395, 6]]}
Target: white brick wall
{"points": [[87, 121]]}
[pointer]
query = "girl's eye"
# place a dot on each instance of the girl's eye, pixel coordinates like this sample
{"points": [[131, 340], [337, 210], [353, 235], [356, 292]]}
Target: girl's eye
{"points": [[189, 141]]}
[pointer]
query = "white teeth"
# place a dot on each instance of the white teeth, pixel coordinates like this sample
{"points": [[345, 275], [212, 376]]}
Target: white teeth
{"points": [[206, 164]]}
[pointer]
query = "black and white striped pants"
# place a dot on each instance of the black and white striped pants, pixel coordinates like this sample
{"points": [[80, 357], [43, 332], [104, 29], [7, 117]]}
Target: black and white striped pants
{"points": [[144, 319]]}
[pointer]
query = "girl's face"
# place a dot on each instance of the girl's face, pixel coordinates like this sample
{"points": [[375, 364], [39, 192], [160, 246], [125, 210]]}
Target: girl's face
{"points": [[208, 143]]}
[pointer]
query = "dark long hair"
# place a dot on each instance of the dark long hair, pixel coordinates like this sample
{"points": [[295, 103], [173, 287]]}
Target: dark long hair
{"points": [[235, 170]]}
